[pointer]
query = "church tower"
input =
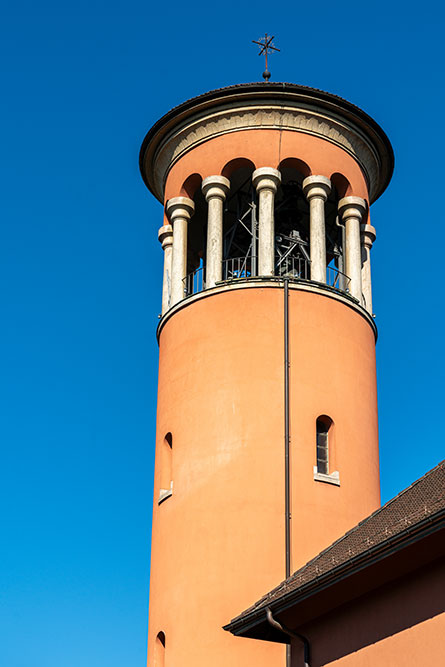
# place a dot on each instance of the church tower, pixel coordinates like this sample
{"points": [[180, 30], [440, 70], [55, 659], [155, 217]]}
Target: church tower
{"points": [[267, 442]]}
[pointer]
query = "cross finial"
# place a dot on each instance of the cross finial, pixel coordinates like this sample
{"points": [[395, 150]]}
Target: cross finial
{"points": [[265, 44]]}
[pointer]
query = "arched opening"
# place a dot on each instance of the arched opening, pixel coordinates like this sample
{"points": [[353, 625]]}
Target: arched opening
{"points": [[297, 165], [341, 184], [292, 251], [241, 229], [166, 473], [240, 225], [234, 165], [196, 235], [159, 650], [324, 432], [191, 184], [336, 234]]}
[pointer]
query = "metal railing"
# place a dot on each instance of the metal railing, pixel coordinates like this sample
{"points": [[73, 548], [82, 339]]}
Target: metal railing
{"points": [[337, 279], [298, 268], [239, 268], [194, 282], [236, 268]]}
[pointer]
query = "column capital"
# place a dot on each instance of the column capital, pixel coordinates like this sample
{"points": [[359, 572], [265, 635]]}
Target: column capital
{"points": [[215, 186], [266, 178], [180, 207], [165, 236], [351, 207], [317, 186], [368, 235]]}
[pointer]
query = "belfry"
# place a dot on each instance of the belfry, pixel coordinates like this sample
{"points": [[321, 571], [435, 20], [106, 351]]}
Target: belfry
{"points": [[267, 434]]}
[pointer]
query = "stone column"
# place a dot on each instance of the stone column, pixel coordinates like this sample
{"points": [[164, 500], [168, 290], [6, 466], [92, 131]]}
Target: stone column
{"points": [[266, 181], [179, 211], [165, 236], [351, 210], [317, 190], [368, 238], [215, 189]]}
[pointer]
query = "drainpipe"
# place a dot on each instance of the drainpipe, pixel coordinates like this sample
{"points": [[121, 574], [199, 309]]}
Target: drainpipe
{"points": [[286, 426], [279, 626], [286, 442]]}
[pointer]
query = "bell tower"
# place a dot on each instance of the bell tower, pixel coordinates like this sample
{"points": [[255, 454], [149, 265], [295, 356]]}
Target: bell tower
{"points": [[267, 435]]}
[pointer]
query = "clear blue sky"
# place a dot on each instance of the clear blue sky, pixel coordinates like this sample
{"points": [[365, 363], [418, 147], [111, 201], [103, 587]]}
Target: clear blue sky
{"points": [[80, 271]]}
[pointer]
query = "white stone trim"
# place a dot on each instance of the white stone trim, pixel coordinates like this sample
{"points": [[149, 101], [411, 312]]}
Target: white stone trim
{"points": [[266, 181], [165, 236], [165, 493], [331, 478], [271, 283], [351, 210], [317, 189], [205, 125], [368, 236], [179, 211], [215, 189]]}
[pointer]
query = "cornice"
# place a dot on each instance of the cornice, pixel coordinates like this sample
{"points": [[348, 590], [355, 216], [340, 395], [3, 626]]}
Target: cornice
{"points": [[295, 109], [268, 283]]}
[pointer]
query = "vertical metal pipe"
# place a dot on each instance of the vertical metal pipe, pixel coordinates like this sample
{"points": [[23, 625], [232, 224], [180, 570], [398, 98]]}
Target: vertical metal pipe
{"points": [[286, 425], [276, 624], [286, 442]]}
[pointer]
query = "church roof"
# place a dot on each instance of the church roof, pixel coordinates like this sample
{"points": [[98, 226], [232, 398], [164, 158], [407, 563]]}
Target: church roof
{"points": [[416, 511]]}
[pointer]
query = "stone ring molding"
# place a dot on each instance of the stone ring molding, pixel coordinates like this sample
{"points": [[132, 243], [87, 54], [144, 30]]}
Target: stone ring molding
{"points": [[350, 129]]}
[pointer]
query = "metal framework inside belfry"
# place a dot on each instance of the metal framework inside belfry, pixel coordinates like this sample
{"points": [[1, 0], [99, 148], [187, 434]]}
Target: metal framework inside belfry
{"points": [[292, 258], [292, 238]]}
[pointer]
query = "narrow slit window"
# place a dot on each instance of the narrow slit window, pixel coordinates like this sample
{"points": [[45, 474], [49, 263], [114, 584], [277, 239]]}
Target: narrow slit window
{"points": [[324, 424], [166, 477]]}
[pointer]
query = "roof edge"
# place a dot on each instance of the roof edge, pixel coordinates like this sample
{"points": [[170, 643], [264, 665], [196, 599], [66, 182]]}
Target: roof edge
{"points": [[240, 625], [261, 88]]}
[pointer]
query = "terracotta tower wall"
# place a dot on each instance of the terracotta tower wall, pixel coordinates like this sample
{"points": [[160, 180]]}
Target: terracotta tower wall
{"points": [[219, 518]]}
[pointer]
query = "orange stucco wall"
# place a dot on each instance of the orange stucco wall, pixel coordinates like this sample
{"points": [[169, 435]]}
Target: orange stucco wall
{"points": [[333, 372], [400, 624], [266, 148], [218, 541]]}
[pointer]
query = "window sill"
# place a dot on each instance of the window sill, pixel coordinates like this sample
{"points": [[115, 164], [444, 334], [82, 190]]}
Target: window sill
{"points": [[331, 478], [164, 494]]}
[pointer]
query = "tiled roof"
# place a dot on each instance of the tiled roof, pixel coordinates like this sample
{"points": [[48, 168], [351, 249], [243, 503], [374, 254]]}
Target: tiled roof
{"points": [[423, 500]]}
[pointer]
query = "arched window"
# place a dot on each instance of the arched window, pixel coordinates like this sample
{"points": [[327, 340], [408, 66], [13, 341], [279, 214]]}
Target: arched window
{"points": [[324, 425], [159, 656], [325, 450], [166, 477]]}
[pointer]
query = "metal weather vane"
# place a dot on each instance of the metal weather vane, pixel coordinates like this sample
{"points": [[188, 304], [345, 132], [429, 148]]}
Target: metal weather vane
{"points": [[266, 46]]}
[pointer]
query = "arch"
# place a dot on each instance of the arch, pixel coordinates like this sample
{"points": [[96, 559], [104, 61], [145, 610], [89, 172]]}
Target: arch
{"points": [[239, 239], [266, 147], [237, 163], [191, 188], [324, 434], [191, 185], [341, 184], [291, 210], [297, 164], [159, 652]]}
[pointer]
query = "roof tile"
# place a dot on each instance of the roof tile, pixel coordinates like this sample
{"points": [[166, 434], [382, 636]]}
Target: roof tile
{"points": [[424, 498]]}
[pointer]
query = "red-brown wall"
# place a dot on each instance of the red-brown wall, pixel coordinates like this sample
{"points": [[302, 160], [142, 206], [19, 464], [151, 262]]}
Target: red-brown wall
{"points": [[401, 624]]}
